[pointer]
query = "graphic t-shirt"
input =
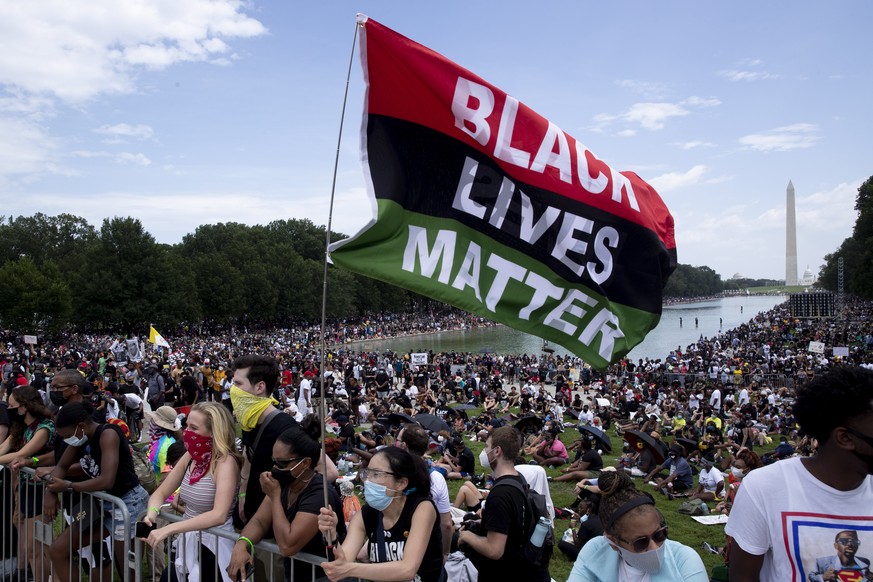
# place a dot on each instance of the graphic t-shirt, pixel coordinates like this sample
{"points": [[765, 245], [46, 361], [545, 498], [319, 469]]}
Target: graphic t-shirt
{"points": [[801, 526]]}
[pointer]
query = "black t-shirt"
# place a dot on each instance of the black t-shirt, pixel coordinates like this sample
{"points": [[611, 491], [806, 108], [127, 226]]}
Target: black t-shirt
{"points": [[395, 540], [347, 434], [311, 500], [92, 461], [503, 513], [4, 414], [261, 460], [594, 460]]}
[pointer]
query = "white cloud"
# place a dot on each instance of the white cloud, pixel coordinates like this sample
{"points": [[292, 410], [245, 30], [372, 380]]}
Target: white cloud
{"points": [[782, 139], [627, 133], [25, 147], [123, 130], [100, 46], [653, 115], [674, 180], [690, 145], [139, 159], [696, 101], [735, 75]]}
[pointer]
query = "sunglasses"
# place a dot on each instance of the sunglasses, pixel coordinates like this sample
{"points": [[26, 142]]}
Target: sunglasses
{"points": [[283, 463], [849, 542], [867, 439], [366, 474], [640, 544]]}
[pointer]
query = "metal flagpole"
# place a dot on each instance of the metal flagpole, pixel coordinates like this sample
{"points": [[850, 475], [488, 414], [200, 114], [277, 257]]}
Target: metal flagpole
{"points": [[323, 399]]}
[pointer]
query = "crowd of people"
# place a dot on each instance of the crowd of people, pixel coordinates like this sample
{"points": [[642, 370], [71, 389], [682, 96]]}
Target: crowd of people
{"points": [[81, 415]]}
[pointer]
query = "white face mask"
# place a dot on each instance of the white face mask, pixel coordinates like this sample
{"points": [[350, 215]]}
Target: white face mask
{"points": [[649, 561], [737, 473], [483, 460]]}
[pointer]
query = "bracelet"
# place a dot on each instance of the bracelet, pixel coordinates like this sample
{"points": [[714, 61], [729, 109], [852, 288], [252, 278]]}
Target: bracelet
{"points": [[35, 461], [241, 495], [249, 542], [70, 486], [155, 509]]}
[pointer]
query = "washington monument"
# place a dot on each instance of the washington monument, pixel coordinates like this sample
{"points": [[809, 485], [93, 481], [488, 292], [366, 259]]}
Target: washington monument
{"points": [[790, 238]]}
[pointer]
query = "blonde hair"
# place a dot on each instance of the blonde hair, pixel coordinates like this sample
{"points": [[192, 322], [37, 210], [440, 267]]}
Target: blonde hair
{"points": [[219, 422]]}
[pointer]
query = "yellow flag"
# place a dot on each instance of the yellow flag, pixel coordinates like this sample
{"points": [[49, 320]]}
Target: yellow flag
{"points": [[156, 338]]}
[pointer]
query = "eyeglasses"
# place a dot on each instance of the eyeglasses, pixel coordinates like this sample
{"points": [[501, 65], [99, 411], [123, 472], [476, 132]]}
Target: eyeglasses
{"points": [[640, 544], [867, 439], [367, 474], [283, 463], [849, 542]]}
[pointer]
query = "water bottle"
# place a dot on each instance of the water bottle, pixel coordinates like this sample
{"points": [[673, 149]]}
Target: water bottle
{"points": [[540, 531]]}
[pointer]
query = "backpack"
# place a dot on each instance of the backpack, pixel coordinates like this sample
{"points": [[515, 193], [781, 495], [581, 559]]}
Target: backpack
{"points": [[533, 509], [142, 466], [694, 507]]}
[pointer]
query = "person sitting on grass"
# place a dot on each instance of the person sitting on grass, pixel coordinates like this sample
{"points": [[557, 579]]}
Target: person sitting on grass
{"points": [[710, 485], [552, 452], [588, 466], [679, 478], [457, 462]]}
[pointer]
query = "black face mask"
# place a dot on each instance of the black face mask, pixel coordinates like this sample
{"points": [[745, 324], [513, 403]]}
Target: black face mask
{"points": [[284, 477], [13, 414], [58, 398]]}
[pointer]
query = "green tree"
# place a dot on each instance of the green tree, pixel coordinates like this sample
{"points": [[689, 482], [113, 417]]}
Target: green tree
{"points": [[33, 298]]}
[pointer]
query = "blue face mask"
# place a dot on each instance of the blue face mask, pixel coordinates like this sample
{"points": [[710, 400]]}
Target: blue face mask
{"points": [[376, 495]]}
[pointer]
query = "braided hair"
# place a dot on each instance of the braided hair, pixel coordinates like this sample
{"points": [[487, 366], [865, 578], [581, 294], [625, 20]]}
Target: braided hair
{"points": [[619, 498]]}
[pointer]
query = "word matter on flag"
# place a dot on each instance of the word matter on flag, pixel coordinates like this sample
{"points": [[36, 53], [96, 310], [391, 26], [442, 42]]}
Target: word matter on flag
{"points": [[482, 203]]}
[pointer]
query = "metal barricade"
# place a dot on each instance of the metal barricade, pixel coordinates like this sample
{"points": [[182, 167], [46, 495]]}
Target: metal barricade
{"points": [[31, 547], [175, 555]]}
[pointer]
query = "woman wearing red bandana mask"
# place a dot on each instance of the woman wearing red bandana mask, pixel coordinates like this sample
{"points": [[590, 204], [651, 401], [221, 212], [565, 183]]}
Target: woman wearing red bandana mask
{"points": [[208, 478]]}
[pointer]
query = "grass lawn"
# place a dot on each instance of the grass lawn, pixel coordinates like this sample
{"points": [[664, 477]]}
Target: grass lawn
{"points": [[682, 527]]}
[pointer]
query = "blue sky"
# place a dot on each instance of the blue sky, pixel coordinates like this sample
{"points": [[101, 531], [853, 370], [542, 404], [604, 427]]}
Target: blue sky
{"points": [[204, 111]]}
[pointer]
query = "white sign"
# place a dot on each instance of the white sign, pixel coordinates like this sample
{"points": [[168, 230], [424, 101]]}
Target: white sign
{"points": [[30, 339], [816, 347], [841, 352], [419, 359]]}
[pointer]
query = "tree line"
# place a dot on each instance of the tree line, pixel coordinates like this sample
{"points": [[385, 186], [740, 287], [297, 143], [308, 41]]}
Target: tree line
{"points": [[60, 270], [856, 251]]}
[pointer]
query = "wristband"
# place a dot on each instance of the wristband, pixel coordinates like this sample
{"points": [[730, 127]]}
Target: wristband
{"points": [[241, 495], [35, 461], [249, 542], [70, 486], [155, 509]]}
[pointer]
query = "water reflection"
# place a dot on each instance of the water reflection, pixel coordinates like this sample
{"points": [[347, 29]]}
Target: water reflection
{"points": [[680, 325]]}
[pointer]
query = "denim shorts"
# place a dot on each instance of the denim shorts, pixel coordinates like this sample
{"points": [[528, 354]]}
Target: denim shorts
{"points": [[87, 513]]}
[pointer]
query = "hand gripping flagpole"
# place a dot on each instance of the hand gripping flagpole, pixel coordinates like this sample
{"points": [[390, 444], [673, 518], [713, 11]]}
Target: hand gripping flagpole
{"points": [[323, 399]]}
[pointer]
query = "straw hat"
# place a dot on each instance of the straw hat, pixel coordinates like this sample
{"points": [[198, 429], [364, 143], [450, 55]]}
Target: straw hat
{"points": [[165, 417]]}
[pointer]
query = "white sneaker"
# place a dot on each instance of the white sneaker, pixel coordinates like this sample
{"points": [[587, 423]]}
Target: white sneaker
{"points": [[653, 484]]}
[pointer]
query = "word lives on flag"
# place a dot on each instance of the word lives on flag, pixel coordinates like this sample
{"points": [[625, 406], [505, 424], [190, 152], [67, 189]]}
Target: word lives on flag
{"points": [[484, 204]]}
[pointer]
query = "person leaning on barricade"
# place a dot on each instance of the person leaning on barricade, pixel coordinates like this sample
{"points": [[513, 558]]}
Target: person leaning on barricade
{"points": [[31, 431], [294, 498], [104, 454], [207, 477]]}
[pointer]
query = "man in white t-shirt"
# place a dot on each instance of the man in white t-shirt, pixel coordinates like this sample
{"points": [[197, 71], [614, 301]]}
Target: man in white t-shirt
{"points": [[743, 397], [715, 399], [786, 515]]}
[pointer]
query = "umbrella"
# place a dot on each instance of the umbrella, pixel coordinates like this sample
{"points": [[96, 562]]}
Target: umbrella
{"points": [[529, 424], [398, 418], [432, 423], [640, 440], [598, 435], [688, 444]]}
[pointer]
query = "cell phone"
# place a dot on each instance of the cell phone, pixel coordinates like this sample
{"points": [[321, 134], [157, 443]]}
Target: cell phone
{"points": [[142, 529], [250, 571]]}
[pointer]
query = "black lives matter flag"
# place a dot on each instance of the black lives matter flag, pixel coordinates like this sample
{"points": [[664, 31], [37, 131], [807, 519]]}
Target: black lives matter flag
{"points": [[486, 205]]}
